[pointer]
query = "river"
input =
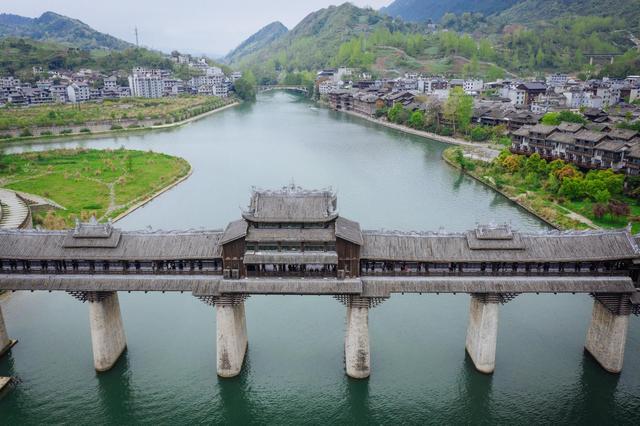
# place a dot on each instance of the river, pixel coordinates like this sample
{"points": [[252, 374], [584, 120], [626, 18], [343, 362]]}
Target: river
{"points": [[294, 369]]}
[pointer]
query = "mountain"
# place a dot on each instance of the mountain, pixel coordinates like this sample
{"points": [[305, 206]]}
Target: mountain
{"points": [[313, 43], [526, 11], [262, 38], [60, 29], [434, 10]]}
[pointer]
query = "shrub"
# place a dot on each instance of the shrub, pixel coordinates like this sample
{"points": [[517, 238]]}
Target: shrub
{"points": [[66, 131], [116, 127], [25, 133], [5, 136], [133, 126], [46, 133], [446, 131], [480, 134], [85, 130]]}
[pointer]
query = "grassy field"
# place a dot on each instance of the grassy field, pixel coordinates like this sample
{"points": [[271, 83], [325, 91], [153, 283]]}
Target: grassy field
{"points": [[164, 110], [89, 183], [562, 212]]}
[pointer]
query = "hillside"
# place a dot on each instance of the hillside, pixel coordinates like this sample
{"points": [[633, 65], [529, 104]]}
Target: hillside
{"points": [[315, 41], [262, 38], [528, 11], [434, 10], [18, 55], [51, 27]]}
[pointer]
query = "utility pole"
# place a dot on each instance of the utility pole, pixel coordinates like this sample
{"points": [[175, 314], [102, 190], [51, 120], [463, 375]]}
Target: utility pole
{"points": [[137, 42]]}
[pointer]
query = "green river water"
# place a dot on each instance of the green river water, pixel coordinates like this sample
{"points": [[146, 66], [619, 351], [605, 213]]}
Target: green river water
{"points": [[294, 371]]}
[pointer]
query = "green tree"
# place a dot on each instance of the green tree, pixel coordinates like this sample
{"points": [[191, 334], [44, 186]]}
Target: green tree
{"points": [[416, 120], [246, 86], [458, 109]]}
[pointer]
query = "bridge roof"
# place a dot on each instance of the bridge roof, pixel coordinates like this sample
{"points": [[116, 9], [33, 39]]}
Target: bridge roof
{"points": [[291, 204], [54, 245], [524, 247]]}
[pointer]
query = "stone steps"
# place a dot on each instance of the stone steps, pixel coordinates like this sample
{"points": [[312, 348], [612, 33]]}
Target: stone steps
{"points": [[14, 210]]}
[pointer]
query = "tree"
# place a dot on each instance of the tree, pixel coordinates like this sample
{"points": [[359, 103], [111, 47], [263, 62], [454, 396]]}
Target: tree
{"points": [[599, 210], [416, 120], [494, 73], [394, 113], [245, 86], [555, 118], [458, 109]]}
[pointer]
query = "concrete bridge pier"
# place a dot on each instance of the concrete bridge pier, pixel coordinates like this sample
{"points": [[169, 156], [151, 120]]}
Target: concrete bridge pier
{"points": [[607, 334], [107, 332], [231, 334], [482, 332], [5, 342], [357, 355]]}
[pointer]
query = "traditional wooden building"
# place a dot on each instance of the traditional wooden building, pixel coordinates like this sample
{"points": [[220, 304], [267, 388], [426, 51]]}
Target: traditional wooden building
{"points": [[291, 232]]}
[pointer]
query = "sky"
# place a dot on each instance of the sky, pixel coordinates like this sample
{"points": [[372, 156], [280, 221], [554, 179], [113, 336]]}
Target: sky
{"points": [[211, 27]]}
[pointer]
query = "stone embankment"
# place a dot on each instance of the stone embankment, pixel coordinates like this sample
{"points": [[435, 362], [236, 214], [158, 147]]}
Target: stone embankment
{"points": [[480, 151]]}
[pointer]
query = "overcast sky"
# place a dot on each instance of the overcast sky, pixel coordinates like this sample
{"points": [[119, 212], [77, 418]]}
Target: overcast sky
{"points": [[194, 26]]}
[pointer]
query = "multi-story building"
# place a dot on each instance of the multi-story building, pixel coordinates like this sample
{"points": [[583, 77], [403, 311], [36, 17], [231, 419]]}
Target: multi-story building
{"points": [[146, 85], [78, 92]]}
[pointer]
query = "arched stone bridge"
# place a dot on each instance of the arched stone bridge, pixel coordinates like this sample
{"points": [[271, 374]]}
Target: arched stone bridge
{"points": [[293, 241], [295, 88]]}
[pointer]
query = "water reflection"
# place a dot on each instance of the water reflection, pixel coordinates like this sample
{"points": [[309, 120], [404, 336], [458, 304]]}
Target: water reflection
{"points": [[236, 406], [473, 402], [357, 400], [115, 392]]}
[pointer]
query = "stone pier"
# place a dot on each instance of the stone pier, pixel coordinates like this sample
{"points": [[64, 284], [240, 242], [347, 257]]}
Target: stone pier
{"points": [[5, 342], [107, 332], [607, 336], [357, 355], [231, 335], [482, 333]]}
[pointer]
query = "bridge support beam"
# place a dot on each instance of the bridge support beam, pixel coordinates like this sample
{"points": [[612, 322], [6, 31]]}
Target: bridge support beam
{"points": [[5, 342], [107, 332], [231, 335], [482, 332], [607, 334], [357, 355]]}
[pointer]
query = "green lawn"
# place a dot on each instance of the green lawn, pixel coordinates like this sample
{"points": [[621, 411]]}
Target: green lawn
{"points": [[89, 182]]}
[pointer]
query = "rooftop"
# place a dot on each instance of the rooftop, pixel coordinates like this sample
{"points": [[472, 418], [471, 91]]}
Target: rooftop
{"points": [[291, 204]]}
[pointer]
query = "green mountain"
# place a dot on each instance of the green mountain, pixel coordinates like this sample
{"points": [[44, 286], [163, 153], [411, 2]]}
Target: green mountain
{"points": [[257, 41], [315, 41], [434, 10], [528, 11], [18, 55], [60, 29]]}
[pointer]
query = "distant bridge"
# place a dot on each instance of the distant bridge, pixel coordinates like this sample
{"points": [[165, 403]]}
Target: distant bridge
{"points": [[268, 88], [293, 242], [606, 56]]}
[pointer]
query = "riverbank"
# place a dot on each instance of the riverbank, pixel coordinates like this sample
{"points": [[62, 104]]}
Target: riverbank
{"points": [[107, 128], [480, 151], [106, 184], [544, 207]]}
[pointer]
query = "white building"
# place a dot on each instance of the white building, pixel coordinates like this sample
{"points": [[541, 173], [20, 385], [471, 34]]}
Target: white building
{"points": [[472, 86], [78, 92], [146, 85], [557, 80], [111, 83]]}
